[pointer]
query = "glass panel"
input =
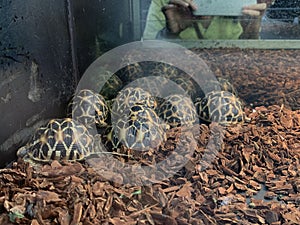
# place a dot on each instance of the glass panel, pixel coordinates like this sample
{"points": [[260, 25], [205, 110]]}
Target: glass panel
{"points": [[280, 21]]}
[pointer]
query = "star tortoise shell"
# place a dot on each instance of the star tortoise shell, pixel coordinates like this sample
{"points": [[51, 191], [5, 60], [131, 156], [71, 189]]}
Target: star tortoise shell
{"points": [[60, 139], [88, 108], [127, 98], [141, 129], [222, 107], [177, 110]]}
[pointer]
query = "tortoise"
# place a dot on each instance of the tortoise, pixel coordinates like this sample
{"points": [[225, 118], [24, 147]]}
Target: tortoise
{"points": [[105, 82], [187, 83], [227, 86], [128, 97], [161, 69], [222, 107], [222, 84], [113, 84], [144, 69], [140, 129], [179, 77], [177, 110], [158, 87], [88, 108], [131, 72], [59, 139]]}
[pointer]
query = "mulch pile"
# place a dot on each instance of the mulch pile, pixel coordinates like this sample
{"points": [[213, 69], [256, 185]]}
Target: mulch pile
{"points": [[262, 154]]}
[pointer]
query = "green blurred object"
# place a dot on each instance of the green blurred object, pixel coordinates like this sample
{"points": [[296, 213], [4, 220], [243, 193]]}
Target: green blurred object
{"points": [[221, 7], [14, 215]]}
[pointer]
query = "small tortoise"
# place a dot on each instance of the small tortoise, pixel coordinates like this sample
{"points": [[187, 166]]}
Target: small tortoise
{"points": [[60, 139], [158, 87], [227, 86], [141, 129], [127, 98], [189, 86], [105, 82], [131, 72], [88, 108], [161, 69], [222, 107], [174, 74], [221, 84], [177, 110], [113, 84]]}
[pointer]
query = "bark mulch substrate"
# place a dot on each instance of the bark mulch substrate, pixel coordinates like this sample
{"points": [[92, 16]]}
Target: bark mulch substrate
{"points": [[262, 157], [245, 174], [262, 77]]}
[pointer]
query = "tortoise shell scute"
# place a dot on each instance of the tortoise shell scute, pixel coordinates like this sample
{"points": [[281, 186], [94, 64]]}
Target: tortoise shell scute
{"points": [[220, 106], [88, 107], [177, 110], [140, 129], [60, 139]]}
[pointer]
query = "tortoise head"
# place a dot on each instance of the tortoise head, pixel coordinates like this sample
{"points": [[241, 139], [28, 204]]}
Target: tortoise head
{"points": [[23, 151]]}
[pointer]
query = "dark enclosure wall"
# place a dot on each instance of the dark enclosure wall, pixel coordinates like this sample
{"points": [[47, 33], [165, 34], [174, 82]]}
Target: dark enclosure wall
{"points": [[45, 47], [36, 68]]}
